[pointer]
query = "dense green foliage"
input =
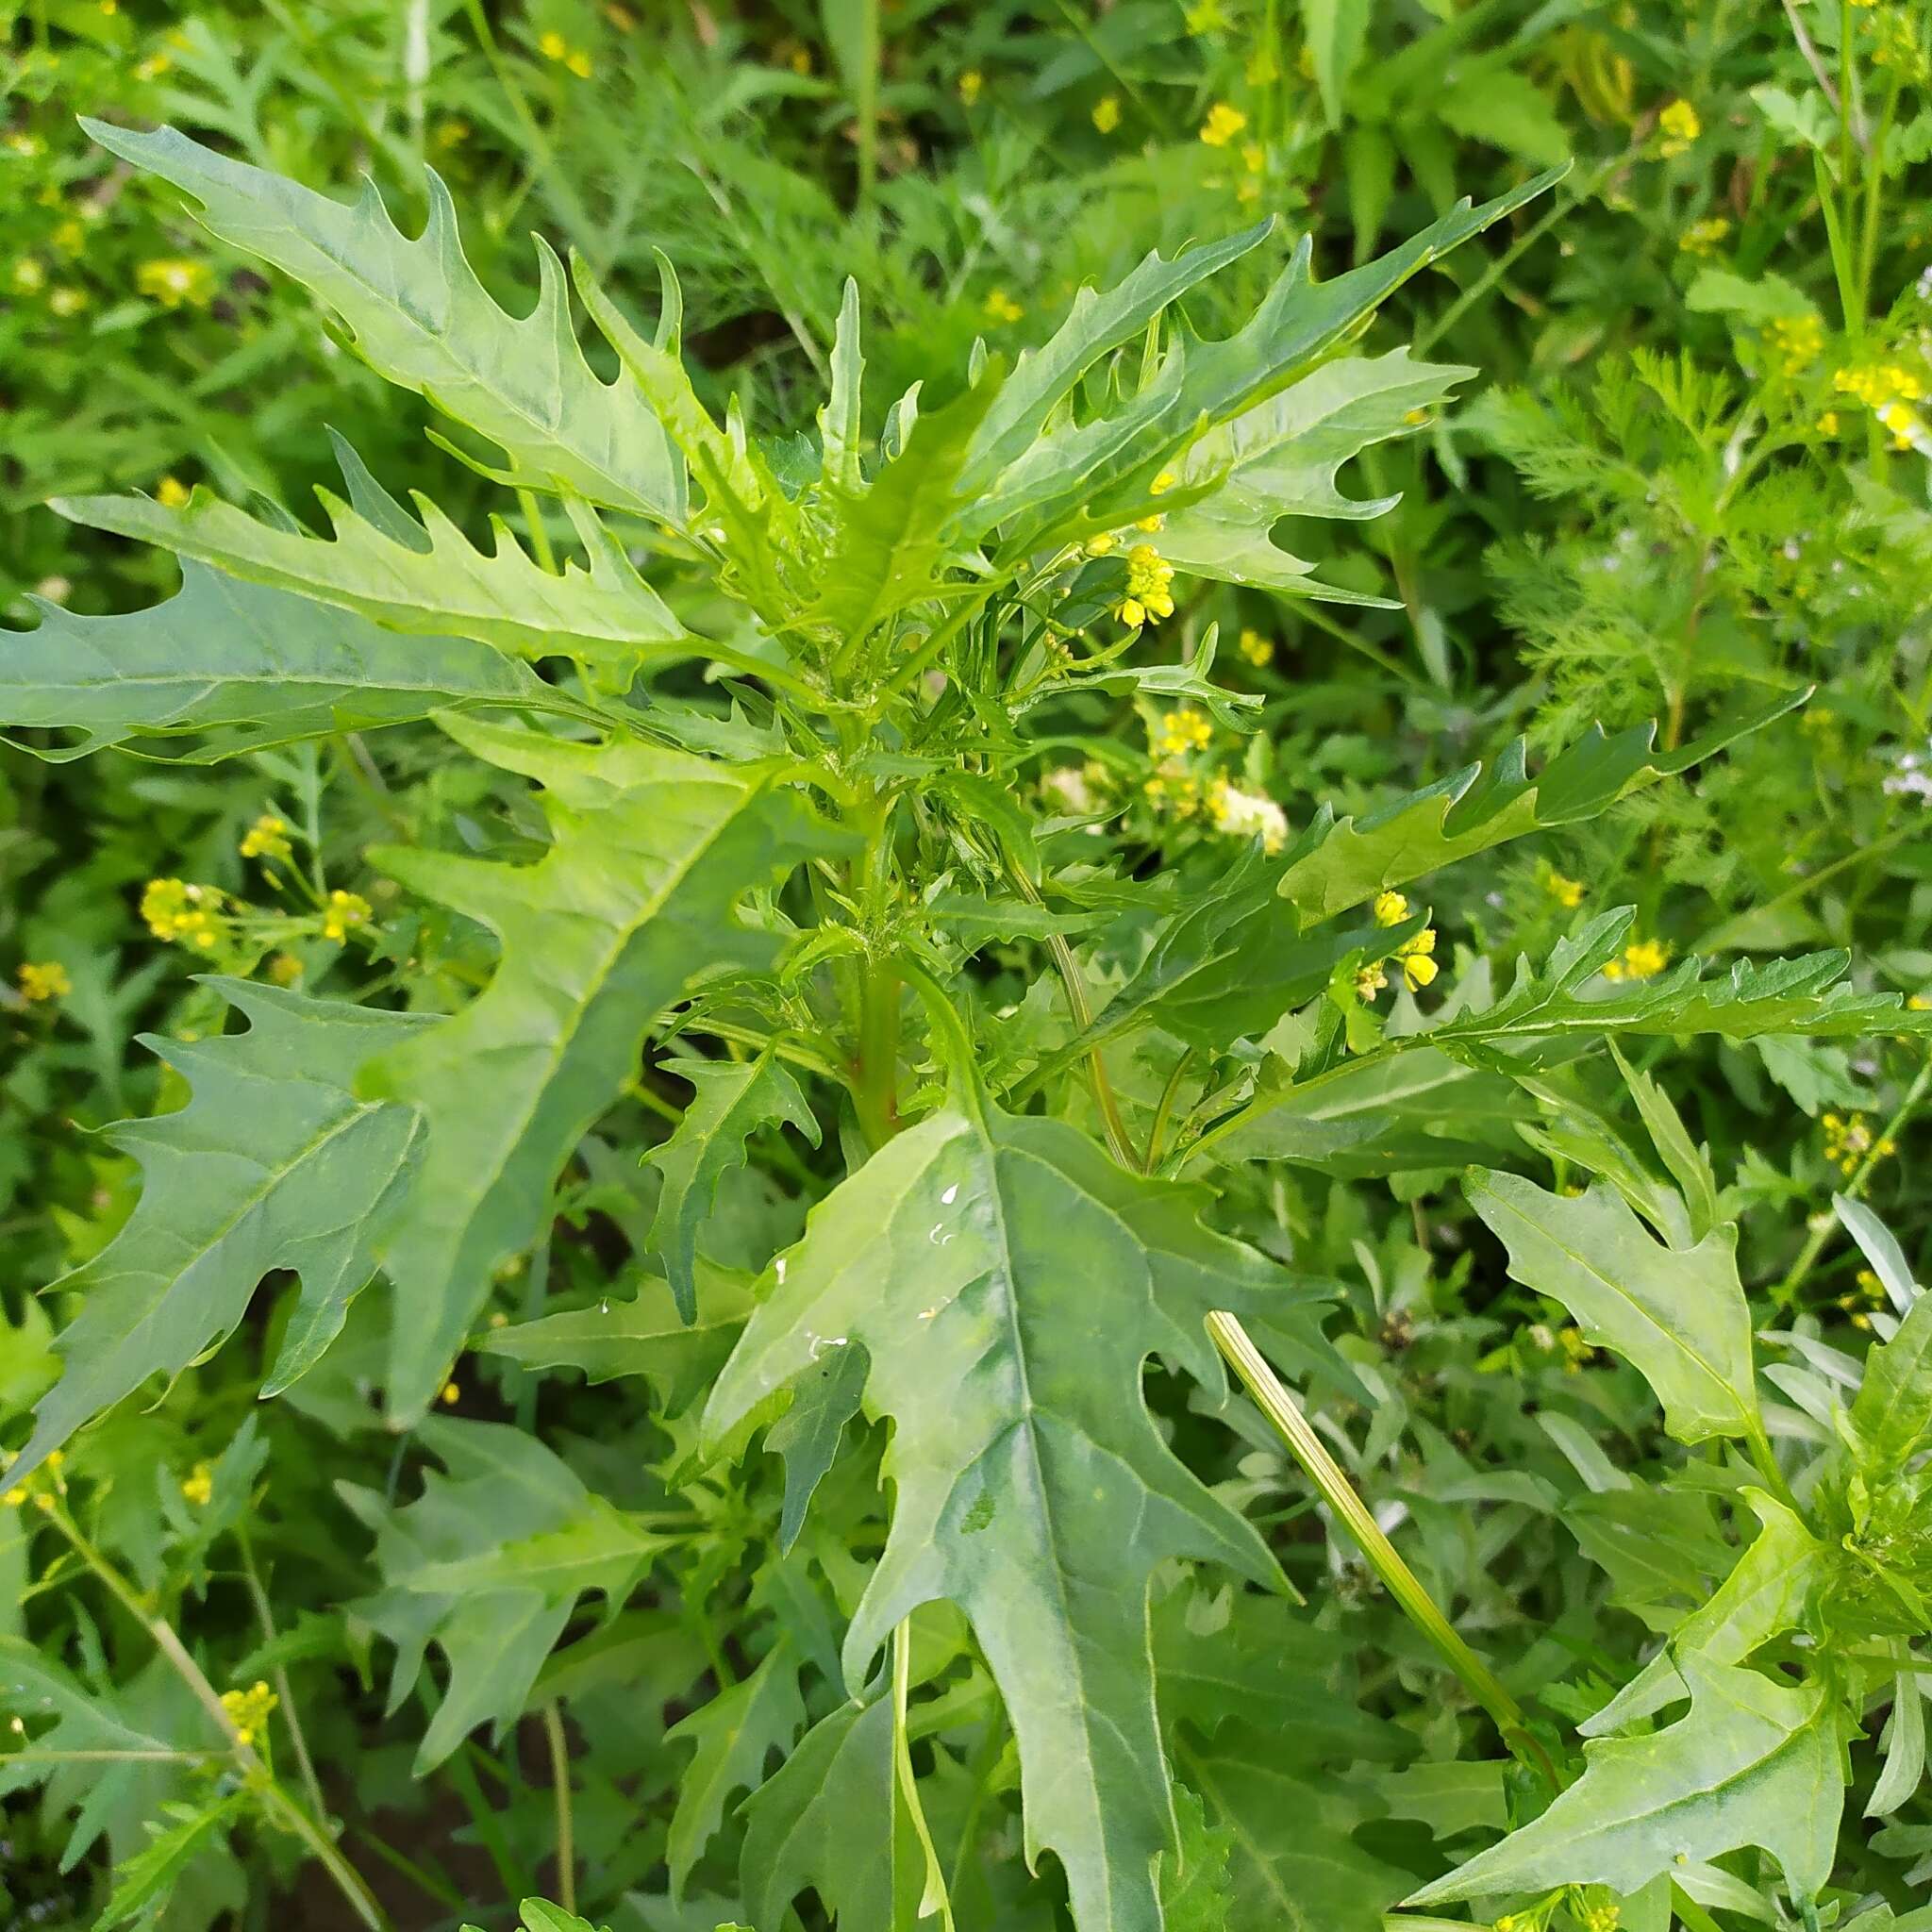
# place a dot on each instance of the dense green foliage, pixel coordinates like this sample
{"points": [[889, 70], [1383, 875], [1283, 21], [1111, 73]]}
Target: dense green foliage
{"points": [[1023, 721]]}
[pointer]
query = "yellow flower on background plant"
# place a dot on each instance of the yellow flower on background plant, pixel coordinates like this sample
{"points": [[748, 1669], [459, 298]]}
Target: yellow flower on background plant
{"points": [[283, 969], [1701, 237], [1258, 650], [267, 838], [1641, 960], [182, 912], [552, 44], [1417, 958], [972, 84], [1390, 908], [1796, 341], [1567, 892], [1849, 1139], [198, 1485], [171, 494], [175, 279], [248, 1710], [1182, 731], [1679, 126], [43, 979], [1221, 125], [343, 913], [29, 276], [1001, 307], [1106, 113], [1148, 599]]}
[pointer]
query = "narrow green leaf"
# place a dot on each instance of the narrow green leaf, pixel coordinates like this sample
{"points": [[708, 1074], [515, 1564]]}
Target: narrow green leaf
{"points": [[1340, 863], [237, 667], [732, 1734], [272, 1163], [1677, 1313], [733, 1100], [421, 318], [1030, 1486], [427, 577], [1753, 1764], [652, 850]]}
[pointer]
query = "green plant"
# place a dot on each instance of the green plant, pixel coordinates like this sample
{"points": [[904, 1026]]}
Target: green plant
{"points": [[834, 798]]}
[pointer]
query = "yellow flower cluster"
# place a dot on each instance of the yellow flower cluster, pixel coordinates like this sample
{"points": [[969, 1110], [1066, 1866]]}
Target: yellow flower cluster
{"points": [[175, 279], [1641, 959], [1001, 309], [1566, 892], [343, 912], [1148, 599], [1247, 815], [267, 838], [1595, 1908], [1106, 113], [43, 979], [1679, 126], [1849, 1139], [971, 85], [553, 46], [1221, 125], [1390, 908], [1795, 340], [43, 1489], [1176, 791], [283, 969], [1888, 390], [1258, 650], [198, 1485], [1417, 958], [182, 912], [1867, 1295], [248, 1710], [1181, 731], [1701, 237], [171, 494]]}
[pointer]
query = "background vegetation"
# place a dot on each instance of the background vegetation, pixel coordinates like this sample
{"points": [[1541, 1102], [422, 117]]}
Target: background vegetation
{"points": [[1687, 477]]}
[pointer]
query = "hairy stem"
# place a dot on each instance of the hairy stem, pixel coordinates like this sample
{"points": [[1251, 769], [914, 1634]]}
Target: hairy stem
{"points": [[559, 1786]]}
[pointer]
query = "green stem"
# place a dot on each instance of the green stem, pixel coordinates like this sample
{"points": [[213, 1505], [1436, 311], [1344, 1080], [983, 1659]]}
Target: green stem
{"points": [[1331, 1481], [559, 1784], [264, 1615]]}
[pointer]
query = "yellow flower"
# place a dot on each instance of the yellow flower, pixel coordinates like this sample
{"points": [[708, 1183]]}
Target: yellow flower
{"points": [[1148, 599], [170, 280], [1106, 113], [1849, 1141], [1369, 981], [70, 238], [198, 1485], [1162, 483], [971, 85], [1258, 650], [1576, 1351], [153, 67], [451, 1394], [345, 911], [1701, 237], [452, 133], [1221, 125], [29, 276], [1641, 959], [27, 146], [1795, 340], [1679, 125], [1904, 423], [267, 838], [1390, 908], [1919, 1003], [1182, 731], [579, 61], [284, 969], [1419, 967], [183, 913], [171, 494], [43, 979], [1828, 422], [1001, 307], [552, 45], [248, 1710], [1567, 892], [1099, 545], [66, 301]]}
